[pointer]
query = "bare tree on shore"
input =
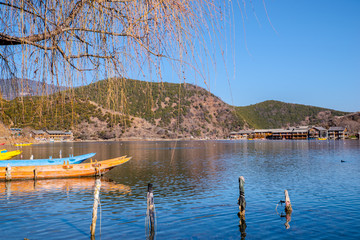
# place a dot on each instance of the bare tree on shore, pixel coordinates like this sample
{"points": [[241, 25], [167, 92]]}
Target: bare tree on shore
{"points": [[42, 39]]}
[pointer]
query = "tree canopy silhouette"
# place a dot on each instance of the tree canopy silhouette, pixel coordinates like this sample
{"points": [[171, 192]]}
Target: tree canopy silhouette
{"points": [[42, 38]]}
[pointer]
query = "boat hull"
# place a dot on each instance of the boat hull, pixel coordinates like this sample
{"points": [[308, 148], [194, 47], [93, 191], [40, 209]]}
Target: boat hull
{"points": [[49, 161], [22, 144], [61, 171], [5, 155]]}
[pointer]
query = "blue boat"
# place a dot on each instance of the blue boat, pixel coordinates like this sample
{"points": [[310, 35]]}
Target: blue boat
{"points": [[50, 161]]}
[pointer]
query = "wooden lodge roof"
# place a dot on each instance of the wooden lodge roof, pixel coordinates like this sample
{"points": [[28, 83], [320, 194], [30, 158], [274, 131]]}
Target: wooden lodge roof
{"points": [[336, 129], [242, 132], [320, 128], [50, 132], [38, 132], [263, 130], [56, 132]]}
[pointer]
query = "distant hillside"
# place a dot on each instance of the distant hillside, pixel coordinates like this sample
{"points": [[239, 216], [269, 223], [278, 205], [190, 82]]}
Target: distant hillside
{"points": [[61, 112], [184, 110], [351, 121], [276, 114], [12, 88], [124, 108]]}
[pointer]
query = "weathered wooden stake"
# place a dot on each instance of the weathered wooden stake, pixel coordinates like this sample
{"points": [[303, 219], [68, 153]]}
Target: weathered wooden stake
{"points": [[95, 206], [150, 213], [288, 208], [241, 200], [35, 173]]}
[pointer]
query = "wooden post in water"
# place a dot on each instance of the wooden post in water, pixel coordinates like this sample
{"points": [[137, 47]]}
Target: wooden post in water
{"points": [[35, 173], [150, 213], [288, 208], [95, 206], [241, 200]]}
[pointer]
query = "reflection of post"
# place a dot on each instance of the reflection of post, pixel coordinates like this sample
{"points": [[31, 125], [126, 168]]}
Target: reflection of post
{"points": [[288, 219], [241, 200], [242, 228], [288, 209], [8, 173], [8, 188], [150, 213], [95, 206]]}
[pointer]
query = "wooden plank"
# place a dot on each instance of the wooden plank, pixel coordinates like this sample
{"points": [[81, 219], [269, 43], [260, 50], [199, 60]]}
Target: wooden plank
{"points": [[64, 170]]}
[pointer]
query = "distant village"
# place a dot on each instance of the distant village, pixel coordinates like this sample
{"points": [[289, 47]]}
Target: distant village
{"points": [[45, 135], [293, 133]]}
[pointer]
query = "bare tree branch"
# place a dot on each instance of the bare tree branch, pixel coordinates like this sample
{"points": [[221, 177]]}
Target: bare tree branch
{"points": [[12, 40]]}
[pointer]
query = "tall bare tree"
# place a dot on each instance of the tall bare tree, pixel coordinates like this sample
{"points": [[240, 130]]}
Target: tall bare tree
{"points": [[40, 38], [62, 41]]}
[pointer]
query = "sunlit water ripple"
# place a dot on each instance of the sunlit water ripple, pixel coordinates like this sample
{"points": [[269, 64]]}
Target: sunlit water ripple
{"points": [[196, 191]]}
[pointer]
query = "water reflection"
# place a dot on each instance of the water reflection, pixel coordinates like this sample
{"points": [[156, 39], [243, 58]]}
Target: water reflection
{"points": [[284, 214], [53, 185], [196, 185], [242, 228], [288, 220]]}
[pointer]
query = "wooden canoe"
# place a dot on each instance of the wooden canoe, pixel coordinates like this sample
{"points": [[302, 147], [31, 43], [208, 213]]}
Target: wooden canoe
{"points": [[22, 144], [61, 171], [7, 155], [47, 161]]}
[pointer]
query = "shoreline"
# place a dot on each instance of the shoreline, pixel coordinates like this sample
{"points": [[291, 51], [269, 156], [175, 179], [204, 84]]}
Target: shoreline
{"points": [[173, 140]]}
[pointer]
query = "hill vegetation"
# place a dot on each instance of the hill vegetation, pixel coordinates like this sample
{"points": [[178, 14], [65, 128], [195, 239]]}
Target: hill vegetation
{"points": [[183, 110], [151, 110], [59, 112], [276, 114]]}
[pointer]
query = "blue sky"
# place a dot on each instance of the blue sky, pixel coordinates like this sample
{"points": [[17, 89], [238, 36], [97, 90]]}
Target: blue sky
{"points": [[312, 57]]}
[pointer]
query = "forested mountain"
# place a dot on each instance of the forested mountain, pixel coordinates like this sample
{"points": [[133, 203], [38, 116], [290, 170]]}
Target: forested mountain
{"points": [[124, 108], [276, 114]]}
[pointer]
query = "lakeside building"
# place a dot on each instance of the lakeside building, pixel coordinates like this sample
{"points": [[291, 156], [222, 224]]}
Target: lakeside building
{"points": [[52, 135], [292, 133], [338, 133], [318, 132], [242, 134], [262, 133], [279, 134]]}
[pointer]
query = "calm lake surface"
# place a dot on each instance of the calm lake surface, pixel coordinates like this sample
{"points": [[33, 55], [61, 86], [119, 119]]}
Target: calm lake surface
{"points": [[196, 190]]}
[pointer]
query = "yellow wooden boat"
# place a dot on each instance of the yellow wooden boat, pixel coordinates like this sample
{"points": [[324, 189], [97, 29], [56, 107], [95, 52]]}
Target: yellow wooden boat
{"points": [[8, 155], [22, 144], [65, 170], [322, 138]]}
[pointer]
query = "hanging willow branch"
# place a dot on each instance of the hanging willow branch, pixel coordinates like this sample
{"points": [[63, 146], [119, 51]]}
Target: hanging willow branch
{"points": [[94, 34]]}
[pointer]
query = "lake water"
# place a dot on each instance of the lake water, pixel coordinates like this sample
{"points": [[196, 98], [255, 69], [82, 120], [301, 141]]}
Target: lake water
{"points": [[196, 190]]}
